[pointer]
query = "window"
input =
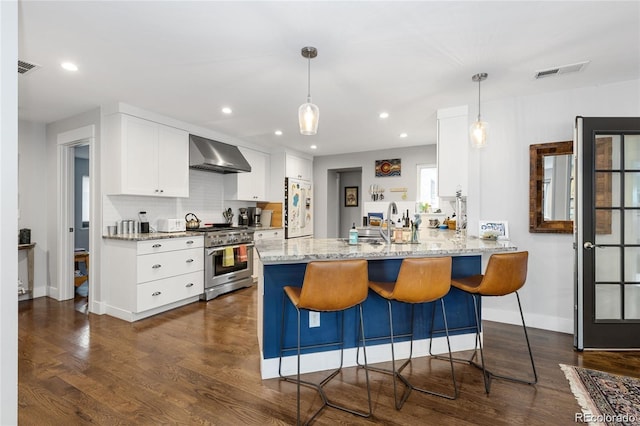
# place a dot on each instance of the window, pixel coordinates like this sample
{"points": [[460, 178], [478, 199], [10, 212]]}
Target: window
{"points": [[428, 185], [85, 201]]}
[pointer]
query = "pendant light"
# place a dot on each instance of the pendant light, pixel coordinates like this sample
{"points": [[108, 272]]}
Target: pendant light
{"points": [[478, 131], [308, 113]]}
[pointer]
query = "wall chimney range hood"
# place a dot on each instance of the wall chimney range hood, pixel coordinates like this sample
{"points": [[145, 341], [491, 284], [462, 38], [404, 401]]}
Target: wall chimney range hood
{"points": [[213, 156]]}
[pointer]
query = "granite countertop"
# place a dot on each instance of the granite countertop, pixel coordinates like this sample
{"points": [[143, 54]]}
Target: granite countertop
{"points": [[432, 243], [151, 236]]}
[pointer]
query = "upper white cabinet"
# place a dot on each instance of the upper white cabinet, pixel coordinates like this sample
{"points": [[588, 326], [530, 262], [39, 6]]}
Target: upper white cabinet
{"points": [[297, 167], [453, 151], [145, 157], [250, 186]]}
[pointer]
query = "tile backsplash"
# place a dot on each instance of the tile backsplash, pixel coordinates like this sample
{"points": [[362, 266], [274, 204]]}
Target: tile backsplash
{"points": [[206, 201]]}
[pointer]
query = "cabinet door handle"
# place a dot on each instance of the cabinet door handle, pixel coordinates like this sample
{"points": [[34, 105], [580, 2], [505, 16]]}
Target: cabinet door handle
{"points": [[189, 285], [156, 266], [156, 246], [189, 260], [162, 190], [156, 293], [190, 242]]}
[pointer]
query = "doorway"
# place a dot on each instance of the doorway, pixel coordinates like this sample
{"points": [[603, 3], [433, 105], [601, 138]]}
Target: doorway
{"points": [[608, 233], [76, 214], [341, 215], [81, 221]]}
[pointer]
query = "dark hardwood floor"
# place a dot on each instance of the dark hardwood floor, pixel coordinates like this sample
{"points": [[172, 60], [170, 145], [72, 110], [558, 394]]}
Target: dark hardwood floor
{"points": [[199, 364]]}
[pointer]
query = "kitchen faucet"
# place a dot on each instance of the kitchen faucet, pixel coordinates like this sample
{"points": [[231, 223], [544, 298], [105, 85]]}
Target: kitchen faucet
{"points": [[392, 209]]}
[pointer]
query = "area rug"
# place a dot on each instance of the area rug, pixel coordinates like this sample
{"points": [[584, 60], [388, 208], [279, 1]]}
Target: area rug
{"points": [[605, 399]]}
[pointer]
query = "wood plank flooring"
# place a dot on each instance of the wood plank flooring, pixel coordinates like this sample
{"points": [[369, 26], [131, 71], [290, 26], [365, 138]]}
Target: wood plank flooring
{"points": [[199, 364]]}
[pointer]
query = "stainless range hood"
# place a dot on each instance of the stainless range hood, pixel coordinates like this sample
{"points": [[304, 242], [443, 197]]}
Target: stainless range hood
{"points": [[213, 156]]}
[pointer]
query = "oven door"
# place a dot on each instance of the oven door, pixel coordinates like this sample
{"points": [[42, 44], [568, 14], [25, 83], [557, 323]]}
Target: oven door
{"points": [[228, 264]]}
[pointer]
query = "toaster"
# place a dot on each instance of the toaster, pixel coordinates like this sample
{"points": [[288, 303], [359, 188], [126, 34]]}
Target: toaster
{"points": [[171, 225]]}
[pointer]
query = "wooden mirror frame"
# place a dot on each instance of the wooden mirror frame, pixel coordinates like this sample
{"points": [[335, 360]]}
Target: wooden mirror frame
{"points": [[537, 152]]}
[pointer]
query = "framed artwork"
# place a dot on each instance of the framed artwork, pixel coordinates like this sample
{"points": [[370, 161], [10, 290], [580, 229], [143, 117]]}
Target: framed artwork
{"points": [[494, 229], [386, 168], [351, 196]]}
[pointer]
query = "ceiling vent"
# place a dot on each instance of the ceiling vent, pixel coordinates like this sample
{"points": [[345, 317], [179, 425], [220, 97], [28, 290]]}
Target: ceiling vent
{"points": [[564, 69], [25, 67]]}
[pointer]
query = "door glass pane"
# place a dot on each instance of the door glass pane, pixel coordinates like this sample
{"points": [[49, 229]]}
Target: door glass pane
{"points": [[632, 264], [608, 302], [607, 264], [632, 189], [632, 152], [608, 152], [607, 192], [632, 302], [632, 226], [608, 227]]}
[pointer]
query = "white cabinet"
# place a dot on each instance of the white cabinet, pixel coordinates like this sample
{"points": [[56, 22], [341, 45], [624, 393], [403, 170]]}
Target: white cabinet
{"points": [[297, 167], [148, 277], [145, 157], [250, 186], [453, 151], [268, 234]]}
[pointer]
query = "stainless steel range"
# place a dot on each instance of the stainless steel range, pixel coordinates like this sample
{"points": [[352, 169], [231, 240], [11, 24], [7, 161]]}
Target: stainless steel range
{"points": [[228, 255]]}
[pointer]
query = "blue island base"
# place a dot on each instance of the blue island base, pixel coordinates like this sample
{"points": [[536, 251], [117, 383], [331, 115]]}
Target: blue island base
{"points": [[459, 307]]}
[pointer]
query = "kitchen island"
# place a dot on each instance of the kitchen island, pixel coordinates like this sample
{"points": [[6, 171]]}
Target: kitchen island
{"points": [[283, 263]]}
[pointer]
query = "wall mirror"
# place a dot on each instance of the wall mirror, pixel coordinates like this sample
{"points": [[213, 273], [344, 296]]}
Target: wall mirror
{"points": [[551, 187]]}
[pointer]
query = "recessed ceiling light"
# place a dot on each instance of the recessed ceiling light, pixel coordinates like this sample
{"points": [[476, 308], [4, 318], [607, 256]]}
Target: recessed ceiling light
{"points": [[384, 115], [403, 135], [313, 147], [227, 110], [69, 66], [278, 132]]}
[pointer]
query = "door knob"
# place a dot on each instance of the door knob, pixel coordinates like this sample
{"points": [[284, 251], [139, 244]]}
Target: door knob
{"points": [[589, 245]]}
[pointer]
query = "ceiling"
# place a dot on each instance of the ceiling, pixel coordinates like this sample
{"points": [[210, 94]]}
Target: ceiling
{"points": [[187, 60]]}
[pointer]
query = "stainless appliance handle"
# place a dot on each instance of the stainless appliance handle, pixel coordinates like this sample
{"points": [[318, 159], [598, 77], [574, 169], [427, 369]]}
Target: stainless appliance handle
{"points": [[212, 250]]}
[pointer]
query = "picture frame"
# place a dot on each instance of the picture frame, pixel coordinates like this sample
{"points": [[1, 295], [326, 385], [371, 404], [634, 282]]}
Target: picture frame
{"points": [[386, 168], [351, 196], [493, 229]]}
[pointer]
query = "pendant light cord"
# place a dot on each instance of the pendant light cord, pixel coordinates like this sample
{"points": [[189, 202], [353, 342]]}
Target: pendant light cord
{"points": [[309, 79], [479, 81]]}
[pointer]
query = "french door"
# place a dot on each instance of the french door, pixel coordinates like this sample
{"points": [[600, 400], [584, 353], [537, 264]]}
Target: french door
{"points": [[607, 233]]}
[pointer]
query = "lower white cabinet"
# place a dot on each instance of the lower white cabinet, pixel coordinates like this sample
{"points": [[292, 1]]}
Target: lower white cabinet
{"points": [[145, 278], [268, 234]]}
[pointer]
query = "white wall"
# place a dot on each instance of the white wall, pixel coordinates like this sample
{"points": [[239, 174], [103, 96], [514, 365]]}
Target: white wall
{"points": [[8, 208], [323, 177], [32, 197], [500, 173]]}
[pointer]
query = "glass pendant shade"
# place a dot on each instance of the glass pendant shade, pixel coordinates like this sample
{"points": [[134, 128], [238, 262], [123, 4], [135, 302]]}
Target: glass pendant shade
{"points": [[478, 130], [478, 133], [308, 115]]}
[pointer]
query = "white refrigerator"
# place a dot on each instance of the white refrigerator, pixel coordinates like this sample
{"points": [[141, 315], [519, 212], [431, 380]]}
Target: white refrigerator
{"points": [[298, 208]]}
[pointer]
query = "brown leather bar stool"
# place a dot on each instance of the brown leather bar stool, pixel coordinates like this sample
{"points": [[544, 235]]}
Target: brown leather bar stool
{"points": [[332, 286], [506, 273], [420, 280]]}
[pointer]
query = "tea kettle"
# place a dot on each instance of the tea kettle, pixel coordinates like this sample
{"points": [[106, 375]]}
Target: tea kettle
{"points": [[193, 223]]}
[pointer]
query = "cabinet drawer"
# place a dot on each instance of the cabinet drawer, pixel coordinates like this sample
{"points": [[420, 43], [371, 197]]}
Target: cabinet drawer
{"points": [[169, 290], [271, 234], [169, 244], [168, 264]]}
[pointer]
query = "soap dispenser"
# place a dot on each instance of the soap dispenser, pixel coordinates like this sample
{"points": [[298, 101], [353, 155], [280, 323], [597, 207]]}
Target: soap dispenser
{"points": [[353, 235]]}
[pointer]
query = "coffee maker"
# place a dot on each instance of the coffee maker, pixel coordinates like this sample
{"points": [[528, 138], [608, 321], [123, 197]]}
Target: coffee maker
{"points": [[243, 217], [254, 216]]}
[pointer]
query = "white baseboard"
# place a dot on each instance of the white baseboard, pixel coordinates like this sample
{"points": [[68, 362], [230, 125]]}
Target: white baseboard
{"points": [[545, 322], [329, 360]]}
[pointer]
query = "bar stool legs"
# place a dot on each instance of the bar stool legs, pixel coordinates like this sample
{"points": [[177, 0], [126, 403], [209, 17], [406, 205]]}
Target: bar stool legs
{"points": [[487, 374], [319, 386], [396, 373]]}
